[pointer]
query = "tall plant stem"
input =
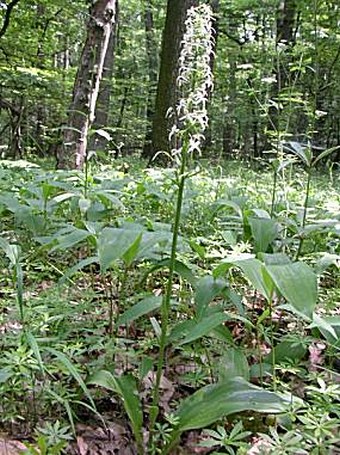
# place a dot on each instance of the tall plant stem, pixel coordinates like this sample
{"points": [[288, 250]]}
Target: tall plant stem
{"points": [[270, 303], [304, 215], [273, 193], [165, 308]]}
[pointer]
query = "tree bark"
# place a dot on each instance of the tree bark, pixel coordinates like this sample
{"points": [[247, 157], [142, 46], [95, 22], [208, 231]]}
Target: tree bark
{"points": [[102, 112], [285, 24], [86, 86], [215, 6], [8, 13], [167, 93], [152, 56]]}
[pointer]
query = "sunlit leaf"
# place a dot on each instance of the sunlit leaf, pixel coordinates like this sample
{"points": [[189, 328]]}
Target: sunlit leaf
{"points": [[204, 327], [213, 402], [126, 387], [325, 153], [233, 364], [264, 231], [145, 306], [298, 284], [207, 288], [113, 243]]}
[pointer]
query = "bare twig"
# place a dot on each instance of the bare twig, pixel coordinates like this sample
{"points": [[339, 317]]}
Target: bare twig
{"points": [[9, 9]]}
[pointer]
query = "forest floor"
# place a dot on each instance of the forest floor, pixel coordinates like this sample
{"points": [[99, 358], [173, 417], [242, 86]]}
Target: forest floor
{"points": [[255, 306]]}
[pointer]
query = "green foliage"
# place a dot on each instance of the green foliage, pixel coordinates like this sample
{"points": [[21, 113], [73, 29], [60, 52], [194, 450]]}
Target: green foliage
{"points": [[126, 388], [227, 303], [213, 402], [230, 441]]}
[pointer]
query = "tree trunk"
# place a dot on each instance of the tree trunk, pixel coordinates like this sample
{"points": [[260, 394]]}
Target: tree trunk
{"points": [[152, 55], [102, 113], [285, 23], [167, 94], [86, 87], [215, 6]]}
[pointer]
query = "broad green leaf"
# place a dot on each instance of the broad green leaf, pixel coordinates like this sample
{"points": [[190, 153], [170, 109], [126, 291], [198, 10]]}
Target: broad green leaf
{"points": [[130, 394], [130, 255], [204, 327], [287, 349], [213, 402], [301, 151], [197, 248], [126, 388], [218, 205], [11, 251], [181, 269], [31, 220], [254, 271], [80, 265], [69, 237], [113, 243], [84, 204], [5, 374], [324, 326], [325, 153], [264, 231], [233, 364], [261, 213], [180, 330], [222, 333], [12, 203], [274, 259], [325, 261], [141, 308], [63, 197], [146, 365], [334, 323], [153, 244], [227, 264], [230, 237], [47, 190], [156, 327], [298, 285], [108, 196], [104, 378], [207, 289]]}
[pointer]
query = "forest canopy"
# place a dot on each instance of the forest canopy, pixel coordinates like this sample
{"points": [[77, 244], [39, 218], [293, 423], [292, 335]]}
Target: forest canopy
{"points": [[275, 63]]}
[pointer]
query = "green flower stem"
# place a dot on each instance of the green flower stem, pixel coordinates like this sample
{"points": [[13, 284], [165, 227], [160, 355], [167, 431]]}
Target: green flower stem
{"points": [[273, 193], [305, 209], [165, 308]]}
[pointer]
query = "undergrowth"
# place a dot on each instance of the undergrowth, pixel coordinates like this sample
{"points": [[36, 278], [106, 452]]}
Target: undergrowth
{"points": [[81, 290]]}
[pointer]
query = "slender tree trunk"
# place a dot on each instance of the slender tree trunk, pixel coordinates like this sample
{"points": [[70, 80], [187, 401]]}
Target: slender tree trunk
{"points": [[285, 24], [152, 55], [215, 6], [102, 113], [167, 94], [86, 87], [40, 106]]}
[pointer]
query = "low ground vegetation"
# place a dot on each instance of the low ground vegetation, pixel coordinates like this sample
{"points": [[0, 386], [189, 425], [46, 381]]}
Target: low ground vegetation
{"points": [[252, 349]]}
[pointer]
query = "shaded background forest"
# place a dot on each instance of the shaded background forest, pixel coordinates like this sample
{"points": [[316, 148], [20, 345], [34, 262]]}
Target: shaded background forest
{"points": [[276, 67]]}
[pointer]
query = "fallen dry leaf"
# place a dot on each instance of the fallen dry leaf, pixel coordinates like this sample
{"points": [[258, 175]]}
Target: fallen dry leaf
{"points": [[11, 447]]}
